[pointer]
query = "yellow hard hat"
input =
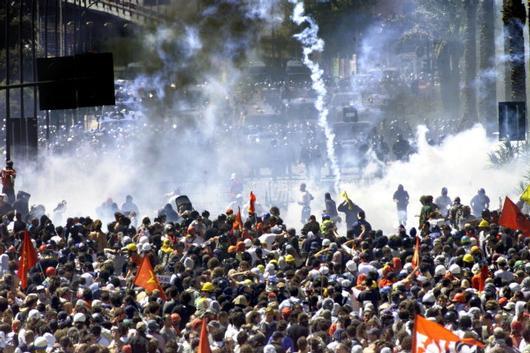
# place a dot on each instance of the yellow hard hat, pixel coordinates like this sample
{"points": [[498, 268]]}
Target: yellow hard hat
{"points": [[207, 287], [475, 249], [468, 258], [289, 258], [131, 247], [483, 224]]}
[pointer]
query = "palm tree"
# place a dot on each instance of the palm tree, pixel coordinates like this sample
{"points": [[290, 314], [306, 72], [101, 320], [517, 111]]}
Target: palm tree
{"points": [[470, 64], [487, 85], [514, 17]]}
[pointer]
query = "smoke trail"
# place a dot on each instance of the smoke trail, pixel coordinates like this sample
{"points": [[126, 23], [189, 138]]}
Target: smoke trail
{"points": [[312, 44]]}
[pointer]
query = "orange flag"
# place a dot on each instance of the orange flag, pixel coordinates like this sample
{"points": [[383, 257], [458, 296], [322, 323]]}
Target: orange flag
{"points": [[511, 217], [28, 259], [416, 256], [238, 222], [204, 343], [146, 278], [252, 204], [430, 337]]}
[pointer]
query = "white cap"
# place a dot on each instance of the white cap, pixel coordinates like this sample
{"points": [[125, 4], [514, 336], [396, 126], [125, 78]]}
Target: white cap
{"points": [[248, 243], [143, 239], [440, 270], [79, 317], [326, 242], [428, 298], [34, 313], [40, 343], [455, 269], [351, 266], [146, 247], [514, 287]]}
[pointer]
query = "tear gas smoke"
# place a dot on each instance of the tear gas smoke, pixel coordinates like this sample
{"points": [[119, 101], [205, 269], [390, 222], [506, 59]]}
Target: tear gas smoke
{"points": [[313, 44], [460, 163], [190, 144]]}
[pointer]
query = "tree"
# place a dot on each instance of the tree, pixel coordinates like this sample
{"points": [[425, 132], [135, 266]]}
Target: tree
{"points": [[487, 84], [514, 17], [470, 64]]}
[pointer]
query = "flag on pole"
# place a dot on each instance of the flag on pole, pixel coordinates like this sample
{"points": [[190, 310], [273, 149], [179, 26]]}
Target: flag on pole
{"points": [[147, 279], [416, 256], [204, 342], [252, 203], [238, 222], [28, 259], [525, 196], [511, 217], [431, 337]]}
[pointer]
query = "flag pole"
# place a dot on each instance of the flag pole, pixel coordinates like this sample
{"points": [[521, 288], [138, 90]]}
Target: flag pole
{"points": [[413, 350]]}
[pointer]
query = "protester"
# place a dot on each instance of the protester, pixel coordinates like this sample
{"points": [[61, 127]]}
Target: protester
{"points": [[176, 285], [8, 175], [401, 198], [305, 202]]}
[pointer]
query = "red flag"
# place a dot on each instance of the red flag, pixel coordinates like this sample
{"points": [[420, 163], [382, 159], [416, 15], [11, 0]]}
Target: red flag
{"points": [[28, 259], [252, 205], [146, 278], [430, 337], [204, 343], [416, 256], [511, 217], [238, 222]]}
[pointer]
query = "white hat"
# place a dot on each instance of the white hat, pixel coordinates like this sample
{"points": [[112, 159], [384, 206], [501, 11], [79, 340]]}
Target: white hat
{"points": [[514, 287], [146, 247], [440, 270], [454, 269], [326, 242], [351, 266], [34, 313], [143, 239], [40, 343], [324, 270], [79, 317], [248, 243], [429, 298]]}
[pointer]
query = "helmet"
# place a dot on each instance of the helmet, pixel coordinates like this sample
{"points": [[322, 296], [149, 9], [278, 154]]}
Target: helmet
{"points": [[207, 287], [465, 240], [468, 258], [440, 270], [289, 258], [50, 271], [454, 269], [131, 247], [483, 224]]}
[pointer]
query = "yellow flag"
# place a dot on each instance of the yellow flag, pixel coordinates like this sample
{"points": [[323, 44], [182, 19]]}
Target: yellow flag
{"points": [[344, 195], [525, 196]]}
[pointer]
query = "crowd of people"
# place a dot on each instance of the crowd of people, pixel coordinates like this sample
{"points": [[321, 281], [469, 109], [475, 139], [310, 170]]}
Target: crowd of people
{"points": [[260, 285]]}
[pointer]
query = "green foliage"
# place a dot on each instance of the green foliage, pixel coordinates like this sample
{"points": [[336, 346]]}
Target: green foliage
{"points": [[507, 153]]}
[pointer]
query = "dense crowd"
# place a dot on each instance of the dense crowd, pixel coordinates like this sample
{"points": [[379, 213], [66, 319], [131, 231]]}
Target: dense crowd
{"points": [[261, 285]]}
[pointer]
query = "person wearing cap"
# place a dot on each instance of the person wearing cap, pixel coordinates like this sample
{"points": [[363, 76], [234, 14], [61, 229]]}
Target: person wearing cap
{"points": [[503, 272], [139, 342]]}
